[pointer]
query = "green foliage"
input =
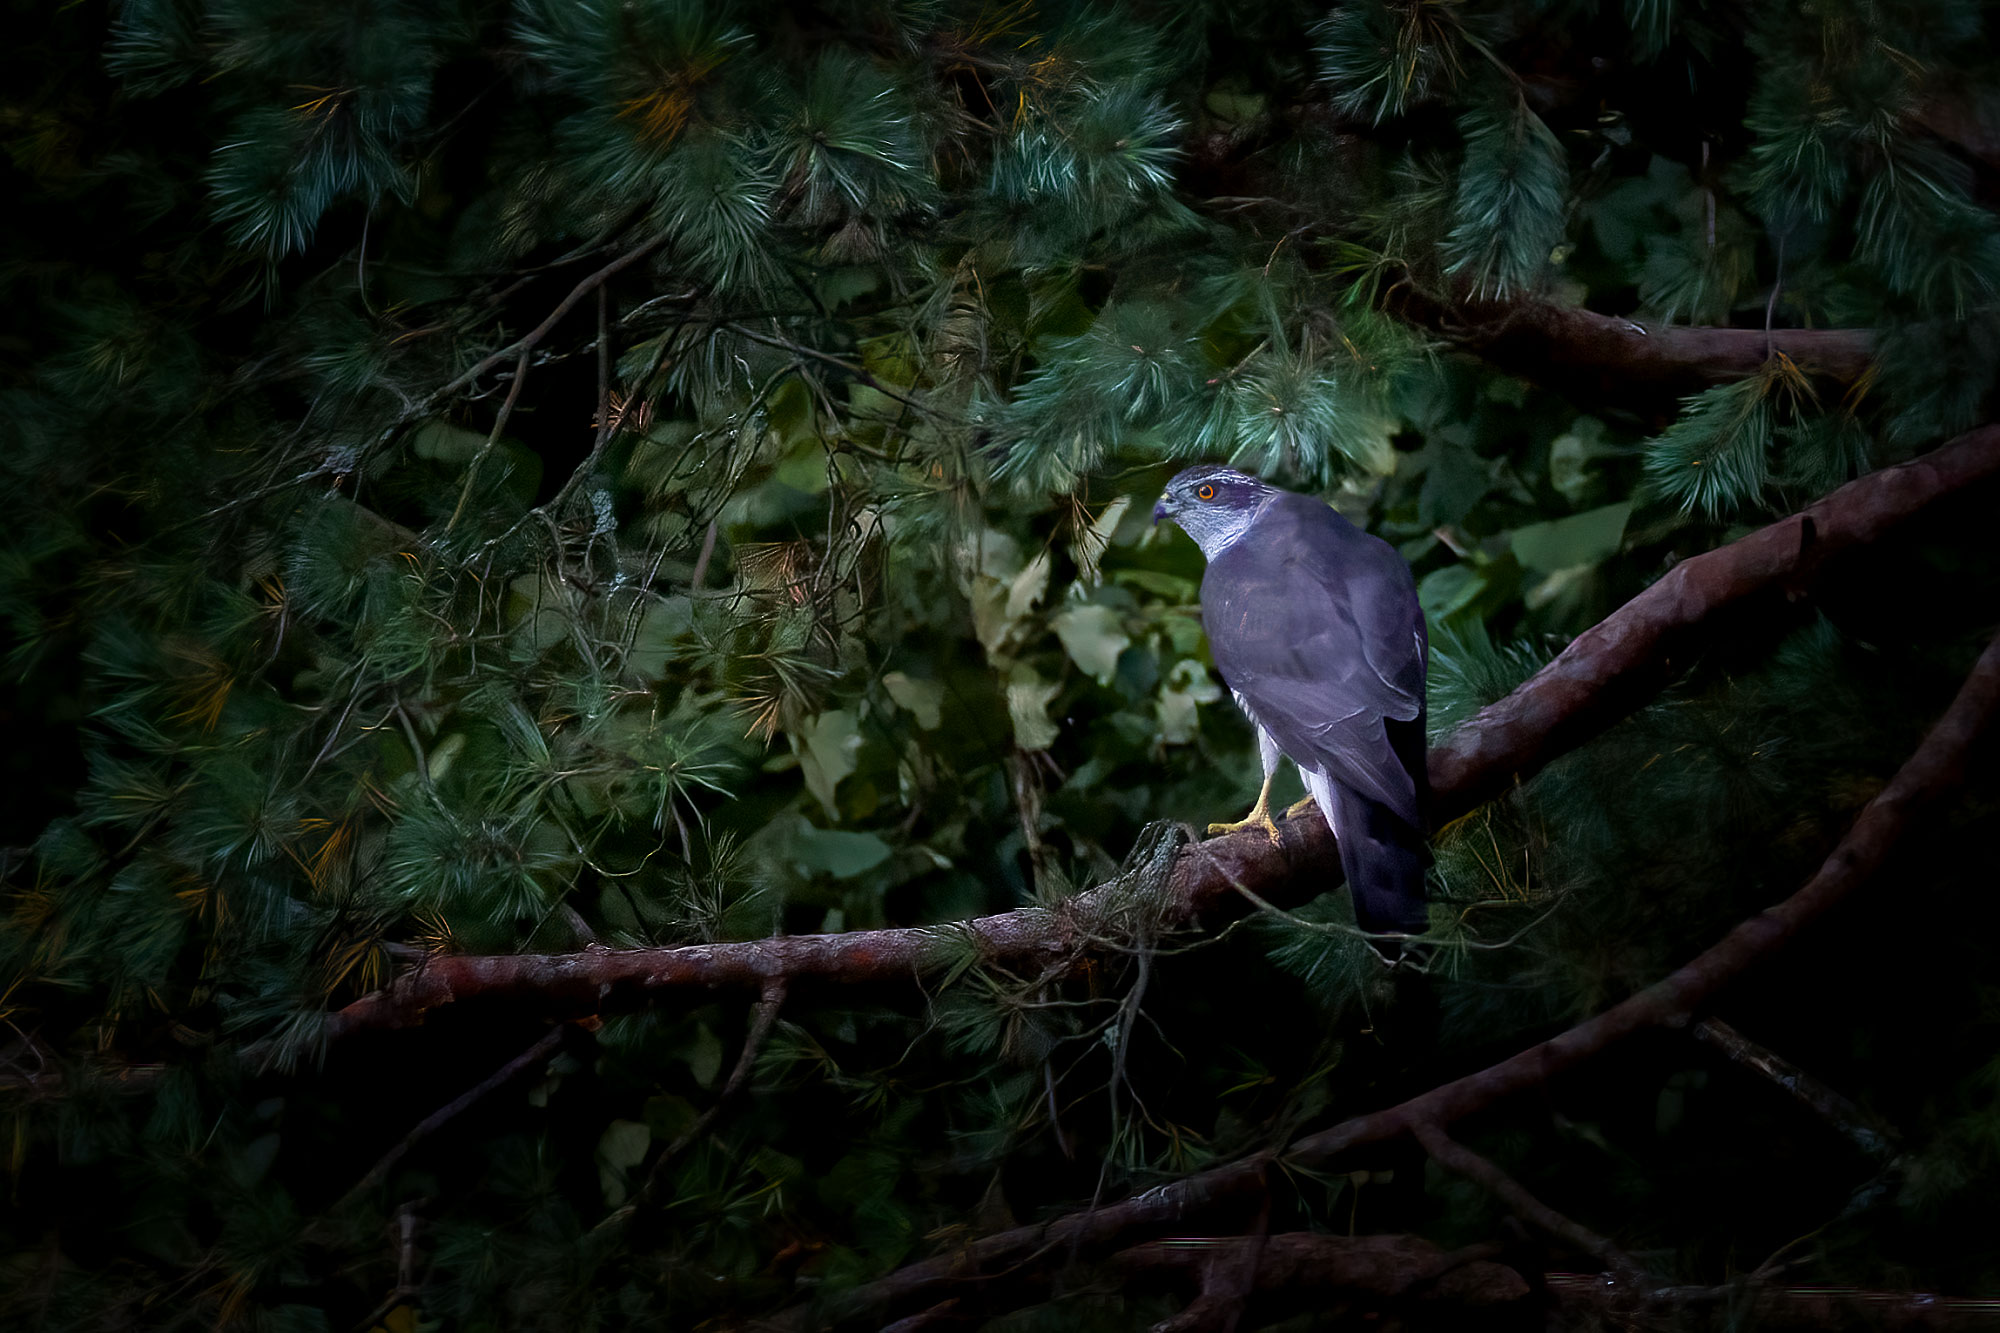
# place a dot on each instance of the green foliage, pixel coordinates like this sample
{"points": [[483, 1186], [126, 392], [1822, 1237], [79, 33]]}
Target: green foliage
{"points": [[1835, 119], [687, 480], [1939, 377], [1737, 446], [1717, 457], [1082, 166], [1383, 57], [1508, 216]]}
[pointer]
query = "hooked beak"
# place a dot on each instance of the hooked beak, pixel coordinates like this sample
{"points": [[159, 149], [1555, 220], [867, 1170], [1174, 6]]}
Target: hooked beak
{"points": [[1162, 509]]}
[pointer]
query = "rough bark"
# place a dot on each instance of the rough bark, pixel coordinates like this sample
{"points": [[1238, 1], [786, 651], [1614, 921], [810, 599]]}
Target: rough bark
{"points": [[1297, 1268], [1610, 359], [1739, 1306]]}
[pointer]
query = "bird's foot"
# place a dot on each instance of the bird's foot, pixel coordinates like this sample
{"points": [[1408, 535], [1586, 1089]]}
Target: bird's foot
{"points": [[1300, 806], [1257, 818]]}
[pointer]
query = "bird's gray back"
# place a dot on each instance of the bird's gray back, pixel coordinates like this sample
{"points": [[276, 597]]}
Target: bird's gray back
{"points": [[1314, 624]]}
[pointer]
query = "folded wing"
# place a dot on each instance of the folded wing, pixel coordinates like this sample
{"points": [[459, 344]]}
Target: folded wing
{"points": [[1315, 627]]}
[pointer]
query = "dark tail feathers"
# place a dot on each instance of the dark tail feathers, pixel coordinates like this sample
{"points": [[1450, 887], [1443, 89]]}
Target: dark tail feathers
{"points": [[1385, 860]]}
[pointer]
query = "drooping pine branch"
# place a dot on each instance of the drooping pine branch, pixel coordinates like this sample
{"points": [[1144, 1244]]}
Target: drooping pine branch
{"points": [[1606, 673]]}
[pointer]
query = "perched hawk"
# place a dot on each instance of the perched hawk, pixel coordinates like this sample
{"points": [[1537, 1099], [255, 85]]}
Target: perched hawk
{"points": [[1315, 628]]}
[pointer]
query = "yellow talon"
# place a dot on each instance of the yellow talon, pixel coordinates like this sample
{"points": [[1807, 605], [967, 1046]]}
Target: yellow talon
{"points": [[1299, 807], [1259, 817]]}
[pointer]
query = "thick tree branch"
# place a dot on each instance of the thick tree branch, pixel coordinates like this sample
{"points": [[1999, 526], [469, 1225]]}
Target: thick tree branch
{"points": [[1604, 674], [1299, 1266], [1605, 358], [1773, 1306], [1934, 769]]}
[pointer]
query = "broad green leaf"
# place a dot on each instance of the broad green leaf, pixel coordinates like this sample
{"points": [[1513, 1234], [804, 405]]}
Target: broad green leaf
{"points": [[1470, 588], [816, 851], [621, 1147], [832, 740], [1093, 636], [922, 699], [1444, 591], [443, 753], [1570, 456], [1171, 588], [1186, 687], [704, 1056], [669, 1116], [538, 609], [1455, 479], [1028, 699], [661, 624], [1234, 106], [1580, 539], [1025, 592], [804, 467], [445, 442]]}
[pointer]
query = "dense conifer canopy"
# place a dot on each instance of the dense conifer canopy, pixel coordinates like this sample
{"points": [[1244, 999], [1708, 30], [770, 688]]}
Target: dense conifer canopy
{"points": [[557, 477]]}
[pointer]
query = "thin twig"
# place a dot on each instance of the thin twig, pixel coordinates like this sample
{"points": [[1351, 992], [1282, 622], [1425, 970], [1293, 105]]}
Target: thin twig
{"points": [[604, 424], [529, 340], [1771, 306], [701, 561], [1452, 1155], [762, 1018], [492, 438], [417, 754], [1855, 1125], [543, 1048]]}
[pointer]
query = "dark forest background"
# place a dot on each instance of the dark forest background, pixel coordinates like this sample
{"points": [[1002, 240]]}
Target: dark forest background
{"points": [[597, 734]]}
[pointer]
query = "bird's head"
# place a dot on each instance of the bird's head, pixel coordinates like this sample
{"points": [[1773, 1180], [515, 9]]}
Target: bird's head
{"points": [[1214, 505]]}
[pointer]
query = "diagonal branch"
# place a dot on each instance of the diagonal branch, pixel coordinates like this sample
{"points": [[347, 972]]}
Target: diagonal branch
{"points": [[544, 1047], [1933, 770], [1851, 1122], [1617, 664], [1606, 673], [528, 341]]}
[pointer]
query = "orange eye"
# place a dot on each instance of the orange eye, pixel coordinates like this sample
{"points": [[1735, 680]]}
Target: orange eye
{"points": [[1206, 492]]}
